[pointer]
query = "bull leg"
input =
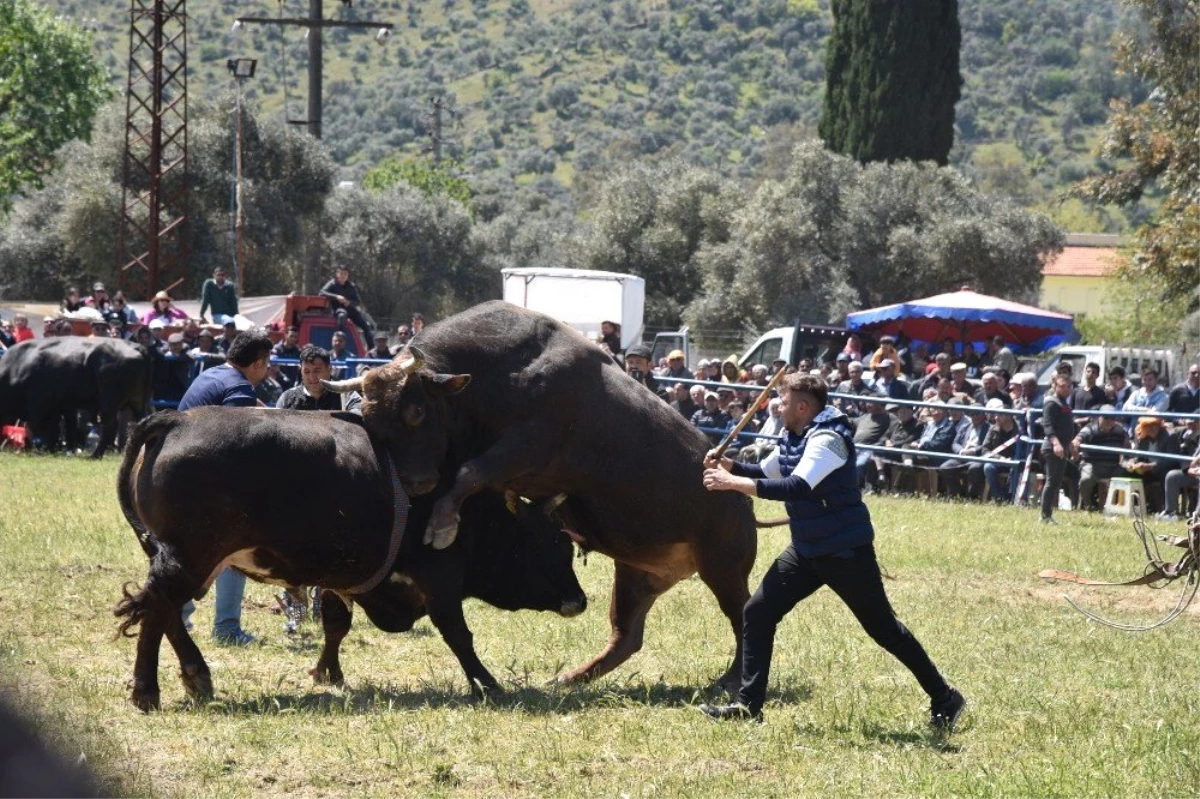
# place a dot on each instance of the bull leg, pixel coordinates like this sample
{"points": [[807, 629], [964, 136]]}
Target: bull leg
{"points": [[445, 611], [634, 593], [727, 578], [144, 690], [336, 616], [108, 434], [516, 453], [193, 671]]}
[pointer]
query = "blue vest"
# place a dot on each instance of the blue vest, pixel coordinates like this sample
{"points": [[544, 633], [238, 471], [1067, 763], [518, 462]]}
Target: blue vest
{"points": [[833, 517]]}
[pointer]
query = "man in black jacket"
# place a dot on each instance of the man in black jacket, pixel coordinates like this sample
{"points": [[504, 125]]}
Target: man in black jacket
{"points": [[344, 297], [1095, 467], [1185, 397], [1058, 431]]}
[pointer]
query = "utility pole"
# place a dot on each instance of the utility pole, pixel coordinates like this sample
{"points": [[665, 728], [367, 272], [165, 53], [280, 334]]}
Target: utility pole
{"points": [[315, 22], [436, 132], [241, 69]]}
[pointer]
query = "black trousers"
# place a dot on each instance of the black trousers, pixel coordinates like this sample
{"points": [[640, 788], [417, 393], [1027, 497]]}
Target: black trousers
{"points": [[854, 576], [357, 318]]}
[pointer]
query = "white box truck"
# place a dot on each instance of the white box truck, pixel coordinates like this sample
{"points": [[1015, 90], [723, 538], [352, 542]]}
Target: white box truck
{"points": [[582, 298]]}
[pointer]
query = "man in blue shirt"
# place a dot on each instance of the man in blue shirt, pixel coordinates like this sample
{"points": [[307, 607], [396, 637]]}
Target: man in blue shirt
{"points": [[230, 384], [813, 472]]}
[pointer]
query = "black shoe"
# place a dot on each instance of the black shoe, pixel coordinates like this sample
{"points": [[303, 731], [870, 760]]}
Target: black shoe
{"points": [[943, 714], [736, 711]]}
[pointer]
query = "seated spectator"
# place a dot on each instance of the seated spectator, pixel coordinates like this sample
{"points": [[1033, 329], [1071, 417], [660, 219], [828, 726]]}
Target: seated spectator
{"points": [[228, 334], [920, 359], [120, 306], [1030, 396], [417, 323], [147, 339], [940, 372], [380, 350], [173, 373], [938, 436], [713, 372], [191, 334], [205, 354], [758, 375], [98, 299], [163, 311], [945, 390], [773, 426], [958, 377], [736, 410], [310, 395], [1185, 397], [289, 347], [21, 331], [870, 428], [970, 443], [347, 303], [971, 359], [776, 365], [1149, 396], [402, 337], [6, 335], [886, 352], [1181, 479], [711, 419], [683, 401], [676, 368], [1117, 390], [886, 382], [999, 442], [1096, 468], [1152, 438], [842, 365], [853, 347], [853, 385], [990, 390], [1089, 394], [71, 303], [730, 373]]}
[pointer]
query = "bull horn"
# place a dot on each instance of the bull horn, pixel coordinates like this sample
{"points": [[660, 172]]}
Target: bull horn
{"points": [[413, 359], [343, 386]]}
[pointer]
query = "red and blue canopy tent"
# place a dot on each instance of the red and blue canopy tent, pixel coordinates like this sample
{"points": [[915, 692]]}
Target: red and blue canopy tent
{"points": [[965, 316]]}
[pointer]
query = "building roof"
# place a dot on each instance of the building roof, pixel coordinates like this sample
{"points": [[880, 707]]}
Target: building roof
{"points": [[1085, 255]]}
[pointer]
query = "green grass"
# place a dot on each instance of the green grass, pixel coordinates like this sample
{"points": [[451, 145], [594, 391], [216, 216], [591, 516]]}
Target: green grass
{"points": [[1059, 706]]}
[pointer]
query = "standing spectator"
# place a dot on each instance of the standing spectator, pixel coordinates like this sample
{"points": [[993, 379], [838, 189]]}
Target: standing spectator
{"points": [[380, 350], [206, 355], [6, 336], [683, 401], [1098, 467], [1149, 396], [338, 353], [191, 334], [1002, 356], [870, 428], [832, 544], [610, 336], [773, 426], [417, 323], [777, 364], [1176, 483], [402, 336], [1152, 439], [161, 310], [21, 330], [99, 298], [1058, 426], [1117, 391], [229, 333], [311, 395], [220, 295], [710, 419], [271, 388], [289, 348], [231, 385], [1089, 394], [173, 371], [713, 371], [347, 302], [71, 303], [853, 347], [887, 383], [1185, 397]]}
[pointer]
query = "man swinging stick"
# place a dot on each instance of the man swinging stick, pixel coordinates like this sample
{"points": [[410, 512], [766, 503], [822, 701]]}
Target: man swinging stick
{"points": [[813, 472]]}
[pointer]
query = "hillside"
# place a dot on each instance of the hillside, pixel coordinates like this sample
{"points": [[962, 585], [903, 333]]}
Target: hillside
{"points": [[556, 91]]}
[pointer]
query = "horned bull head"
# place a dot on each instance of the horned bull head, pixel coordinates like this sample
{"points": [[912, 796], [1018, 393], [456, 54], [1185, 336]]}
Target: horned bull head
{"points": [[404, 406]]}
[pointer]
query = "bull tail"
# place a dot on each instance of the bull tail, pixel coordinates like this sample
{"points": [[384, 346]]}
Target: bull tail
{"points": [[145, 433], [131, 609]]}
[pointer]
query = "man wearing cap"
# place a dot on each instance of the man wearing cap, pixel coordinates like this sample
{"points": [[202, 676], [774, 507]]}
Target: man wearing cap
{"points": [[832, 543], [842, 365], [346, 301], [205, 355], [1097, 468], [1000, 442], [958, 376], [230, 385], [637, 366], [99, 299], [887, 382], [220, 295], [380, 350], [676, 367], [710, 419]]}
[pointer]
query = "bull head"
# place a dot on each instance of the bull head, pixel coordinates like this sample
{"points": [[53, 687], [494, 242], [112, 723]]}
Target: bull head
{"points": [[412, 359]]}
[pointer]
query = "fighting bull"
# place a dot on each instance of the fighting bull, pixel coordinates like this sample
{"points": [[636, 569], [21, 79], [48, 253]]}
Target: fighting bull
{"points": [[501, 398], [45, 380], [303, 498]]}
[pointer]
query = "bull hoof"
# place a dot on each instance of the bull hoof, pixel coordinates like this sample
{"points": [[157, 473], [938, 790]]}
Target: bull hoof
{"points": [[481, 691], [730, 684], [326, 676], [196, 681], [573, 677], [145, 700]]}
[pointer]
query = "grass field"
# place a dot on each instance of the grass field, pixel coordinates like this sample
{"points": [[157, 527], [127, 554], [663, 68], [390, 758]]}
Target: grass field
{"points": [[1059, 706]]}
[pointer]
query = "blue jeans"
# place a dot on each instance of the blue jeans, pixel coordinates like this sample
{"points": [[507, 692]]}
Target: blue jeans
{"points": [[991, 473], [230, 587]]}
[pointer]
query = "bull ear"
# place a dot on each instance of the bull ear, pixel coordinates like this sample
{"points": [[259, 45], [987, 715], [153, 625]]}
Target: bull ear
{"points": [[449, 384]]}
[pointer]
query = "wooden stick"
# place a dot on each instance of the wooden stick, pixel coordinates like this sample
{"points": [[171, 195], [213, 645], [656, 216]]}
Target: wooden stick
{"points": [[749, 414]]}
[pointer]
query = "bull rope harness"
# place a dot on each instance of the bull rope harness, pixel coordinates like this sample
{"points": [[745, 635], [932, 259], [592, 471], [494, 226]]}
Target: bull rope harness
{"points": [[1159, 572], [400, 505]]}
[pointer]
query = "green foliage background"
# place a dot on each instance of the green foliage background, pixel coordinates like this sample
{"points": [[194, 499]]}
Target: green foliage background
{"points": [[556, 93]]}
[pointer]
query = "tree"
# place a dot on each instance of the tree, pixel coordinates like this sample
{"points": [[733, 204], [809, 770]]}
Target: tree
{"points": [[50, 90], [892, 80], [835, 236], [431, 179], [1157, 142]]}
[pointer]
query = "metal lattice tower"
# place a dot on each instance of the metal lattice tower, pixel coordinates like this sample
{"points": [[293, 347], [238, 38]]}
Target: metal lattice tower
{"points": [[153, 243]]}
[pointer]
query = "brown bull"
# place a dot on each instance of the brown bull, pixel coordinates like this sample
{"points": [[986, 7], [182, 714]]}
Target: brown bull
{"points": [[508, 399]]}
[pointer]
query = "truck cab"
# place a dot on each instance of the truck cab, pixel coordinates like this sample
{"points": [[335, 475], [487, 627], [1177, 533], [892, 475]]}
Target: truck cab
{"points": [[817, 342], [1166, 361]]}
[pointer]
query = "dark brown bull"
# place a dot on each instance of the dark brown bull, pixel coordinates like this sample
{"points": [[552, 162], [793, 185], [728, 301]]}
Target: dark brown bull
{"points": [[301, 498], [509, 399]]}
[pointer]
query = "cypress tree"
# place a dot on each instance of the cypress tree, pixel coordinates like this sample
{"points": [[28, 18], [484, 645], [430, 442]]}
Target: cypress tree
{"points": [[892, 79]]}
